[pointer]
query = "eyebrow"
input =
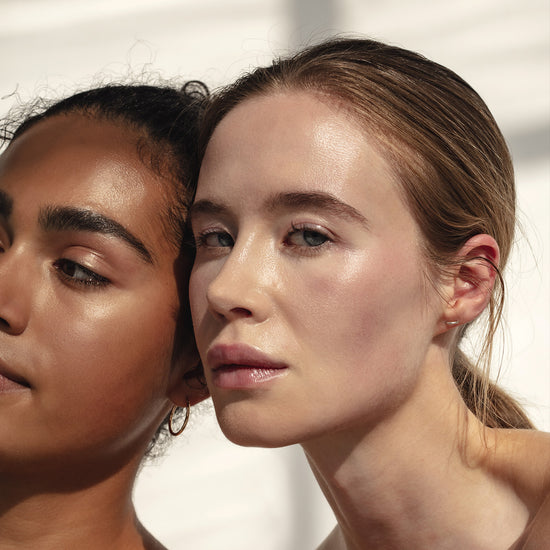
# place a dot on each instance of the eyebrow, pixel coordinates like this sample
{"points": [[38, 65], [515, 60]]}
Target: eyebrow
{"points": [[289, 201], [316, 200], [205, 206], [6, 204], [65, 218]]}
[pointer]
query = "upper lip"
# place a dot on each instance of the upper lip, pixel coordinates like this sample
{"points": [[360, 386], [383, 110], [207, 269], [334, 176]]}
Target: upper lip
{"points": [[221, 355], [6, 372]]}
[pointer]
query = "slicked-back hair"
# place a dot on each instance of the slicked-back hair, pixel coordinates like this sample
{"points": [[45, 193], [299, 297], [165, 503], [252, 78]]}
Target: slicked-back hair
{"points": [[446, 150]]}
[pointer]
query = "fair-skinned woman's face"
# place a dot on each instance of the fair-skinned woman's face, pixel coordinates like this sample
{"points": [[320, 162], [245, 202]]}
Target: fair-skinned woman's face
{"points": [[310, 304], [88, 298]]}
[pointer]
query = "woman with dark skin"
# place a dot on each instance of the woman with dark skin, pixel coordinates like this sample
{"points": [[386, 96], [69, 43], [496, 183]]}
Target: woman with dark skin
{"points": [[95, 339], [355, 208]]}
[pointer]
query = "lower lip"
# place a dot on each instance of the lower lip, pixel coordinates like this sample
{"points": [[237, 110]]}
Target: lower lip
{"points": [[241, 377], [7, 385]]}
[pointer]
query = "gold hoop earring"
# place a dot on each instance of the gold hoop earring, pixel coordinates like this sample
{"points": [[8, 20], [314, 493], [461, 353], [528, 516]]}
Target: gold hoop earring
{"points": [[186, 420]]}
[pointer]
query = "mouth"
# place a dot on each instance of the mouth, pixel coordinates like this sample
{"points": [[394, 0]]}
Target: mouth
{"points": [[10, 381], [238, 366]]}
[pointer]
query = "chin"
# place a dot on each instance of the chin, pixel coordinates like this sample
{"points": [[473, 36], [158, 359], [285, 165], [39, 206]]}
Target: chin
{"points": [[247, 429], [244, 439]]}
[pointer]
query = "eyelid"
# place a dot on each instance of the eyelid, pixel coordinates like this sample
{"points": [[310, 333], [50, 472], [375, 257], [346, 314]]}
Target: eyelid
{"points": [[87, 257], [203, 223], [200, 238], [314, 227], [199, 221], [71, 219], [304, 248], [94, 281], [102, 255]]}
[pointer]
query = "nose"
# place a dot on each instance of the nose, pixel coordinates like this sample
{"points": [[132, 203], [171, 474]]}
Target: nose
{"points": [[15, 289], [242, 287]]}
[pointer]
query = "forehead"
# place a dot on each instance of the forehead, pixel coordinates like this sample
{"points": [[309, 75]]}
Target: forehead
{"points": [[278, 135], [80, 158], [298, 141], [73, 144], [80, 161], [296, 122]]}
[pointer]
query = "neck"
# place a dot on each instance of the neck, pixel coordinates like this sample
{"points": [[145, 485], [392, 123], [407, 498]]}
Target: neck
{"points": [[51, 511], [421, 473]]}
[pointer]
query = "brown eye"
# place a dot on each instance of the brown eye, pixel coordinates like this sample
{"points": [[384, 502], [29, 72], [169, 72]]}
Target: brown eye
{"points": [[78, 274]]}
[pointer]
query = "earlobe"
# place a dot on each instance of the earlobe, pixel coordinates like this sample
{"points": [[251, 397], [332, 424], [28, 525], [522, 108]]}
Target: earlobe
{"points": [[188, 385], [474, 280]]}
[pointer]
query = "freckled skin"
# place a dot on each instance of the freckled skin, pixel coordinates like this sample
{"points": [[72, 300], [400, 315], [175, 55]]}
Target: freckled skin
{"points": [[352, 319], [98, 359]]}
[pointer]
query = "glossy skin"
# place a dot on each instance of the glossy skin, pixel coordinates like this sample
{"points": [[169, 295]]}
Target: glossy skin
{"points": [[332, 287], [317, 325], [87, 321]]}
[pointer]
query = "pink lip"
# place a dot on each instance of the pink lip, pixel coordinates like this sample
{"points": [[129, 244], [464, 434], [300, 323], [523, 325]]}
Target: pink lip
{"points": [[238, 366], [10, 382]]}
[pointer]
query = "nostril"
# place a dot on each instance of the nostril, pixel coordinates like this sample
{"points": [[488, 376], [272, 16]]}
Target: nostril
{"points": [[232, 313], [4, 324], [241, 312]]}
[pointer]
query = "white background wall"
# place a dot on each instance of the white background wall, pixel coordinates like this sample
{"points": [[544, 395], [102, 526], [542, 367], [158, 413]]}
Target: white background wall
{"points": [[209, 494]]}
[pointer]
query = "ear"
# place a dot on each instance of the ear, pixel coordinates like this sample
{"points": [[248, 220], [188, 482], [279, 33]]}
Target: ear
{"points": [[187, 383], [471, 287]]}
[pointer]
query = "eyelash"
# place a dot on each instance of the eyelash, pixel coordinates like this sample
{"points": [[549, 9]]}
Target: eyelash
{"points": [[304, 228], [201, 240], [92, 280]]}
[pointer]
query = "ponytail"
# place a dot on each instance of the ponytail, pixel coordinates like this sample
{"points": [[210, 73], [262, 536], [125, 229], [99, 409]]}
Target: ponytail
{"points": [[490, 404]]}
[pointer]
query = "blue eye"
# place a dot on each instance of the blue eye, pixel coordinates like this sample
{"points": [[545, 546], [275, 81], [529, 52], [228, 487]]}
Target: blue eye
{"points": [[306, 236], [215, 239], [314, 238], [78, 274]]}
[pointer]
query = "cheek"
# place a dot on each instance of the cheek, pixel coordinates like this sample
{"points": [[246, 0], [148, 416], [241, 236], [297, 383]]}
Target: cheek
{"points": [[111, 364], [369, 305], [198, 286], [127, 325], [366, 334], [197, 297]]}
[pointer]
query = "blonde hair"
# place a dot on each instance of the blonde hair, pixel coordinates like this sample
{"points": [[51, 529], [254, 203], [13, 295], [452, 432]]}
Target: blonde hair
{"points": [[446, 149]]}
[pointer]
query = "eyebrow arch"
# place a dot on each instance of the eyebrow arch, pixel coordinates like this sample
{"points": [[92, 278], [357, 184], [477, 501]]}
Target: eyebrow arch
{"points": [[65, 218], [205, 206], [6, 204], [316, 200]]}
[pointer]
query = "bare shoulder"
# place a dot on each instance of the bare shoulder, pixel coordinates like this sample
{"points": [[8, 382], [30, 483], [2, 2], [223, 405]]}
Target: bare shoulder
{"points": [[537, 534], [533, 443], [523, 457]]}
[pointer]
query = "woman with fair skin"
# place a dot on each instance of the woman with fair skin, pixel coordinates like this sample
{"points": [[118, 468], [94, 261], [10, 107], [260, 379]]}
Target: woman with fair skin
{"points": [[354, 210], [94, 349]]}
